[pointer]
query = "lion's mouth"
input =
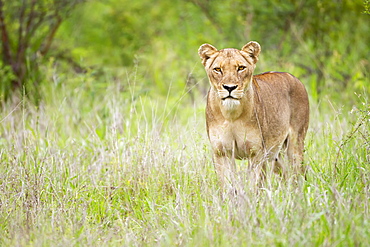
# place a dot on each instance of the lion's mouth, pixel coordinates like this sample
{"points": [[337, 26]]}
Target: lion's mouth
{"points": [[229, 97]]}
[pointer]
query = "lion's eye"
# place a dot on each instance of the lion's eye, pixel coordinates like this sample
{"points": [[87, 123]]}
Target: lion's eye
{"points": [[241, 68], [218, 70]]}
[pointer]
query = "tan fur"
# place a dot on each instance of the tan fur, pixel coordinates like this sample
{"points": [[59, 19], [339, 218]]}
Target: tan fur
{"points": [[252, 117]]}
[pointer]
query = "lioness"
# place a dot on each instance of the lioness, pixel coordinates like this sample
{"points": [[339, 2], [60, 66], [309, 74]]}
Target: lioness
{"points": [[252, 116]]}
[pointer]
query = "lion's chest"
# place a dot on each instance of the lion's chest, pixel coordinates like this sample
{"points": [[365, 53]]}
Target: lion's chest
{"points": [[238, 136]]}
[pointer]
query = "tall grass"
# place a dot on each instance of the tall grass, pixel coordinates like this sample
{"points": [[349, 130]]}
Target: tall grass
{"points": [[113, 166]]}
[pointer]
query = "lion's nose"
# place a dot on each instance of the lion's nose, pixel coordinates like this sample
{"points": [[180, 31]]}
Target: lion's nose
{"points": [[230, 88]]}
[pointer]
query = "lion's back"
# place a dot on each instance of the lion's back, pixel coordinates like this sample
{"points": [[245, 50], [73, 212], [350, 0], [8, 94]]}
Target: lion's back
{"points": [[282, 93], [280, 84]]}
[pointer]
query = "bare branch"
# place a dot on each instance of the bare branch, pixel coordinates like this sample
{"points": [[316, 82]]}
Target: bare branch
{"points": [[49, 39], [30, 33], [75, 65], [31, 15], [21, 45], [7, 53]]}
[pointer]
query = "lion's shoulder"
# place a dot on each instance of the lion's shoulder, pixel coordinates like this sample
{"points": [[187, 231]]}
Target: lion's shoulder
{"points": [[273, 76], [278, 79]]}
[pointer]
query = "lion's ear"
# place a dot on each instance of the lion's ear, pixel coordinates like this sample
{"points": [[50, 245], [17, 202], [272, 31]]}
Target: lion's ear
{"points": [[253, 49], [206, 51]]}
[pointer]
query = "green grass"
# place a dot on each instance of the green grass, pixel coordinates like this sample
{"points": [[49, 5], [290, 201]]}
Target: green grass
{"points": [[106, 166]]}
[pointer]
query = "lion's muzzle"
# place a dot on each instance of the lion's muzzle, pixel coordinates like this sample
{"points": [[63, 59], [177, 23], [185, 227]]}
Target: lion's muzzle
{"points": [[229, 92]]}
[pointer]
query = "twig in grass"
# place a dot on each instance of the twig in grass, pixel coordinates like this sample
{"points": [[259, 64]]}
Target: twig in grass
{"points": [[10, 113], [349, 137]]}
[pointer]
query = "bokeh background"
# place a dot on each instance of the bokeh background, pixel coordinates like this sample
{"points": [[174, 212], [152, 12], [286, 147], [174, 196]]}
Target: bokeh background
{"points": [[324, 43], [102, 124]]}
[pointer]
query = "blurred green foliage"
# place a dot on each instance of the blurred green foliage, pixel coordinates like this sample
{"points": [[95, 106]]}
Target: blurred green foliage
{"points": [[27, 30], [324, 43]]}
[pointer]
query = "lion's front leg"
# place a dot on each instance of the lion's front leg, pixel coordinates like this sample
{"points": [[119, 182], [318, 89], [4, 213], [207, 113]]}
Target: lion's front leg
{"points": [[225, 169]]}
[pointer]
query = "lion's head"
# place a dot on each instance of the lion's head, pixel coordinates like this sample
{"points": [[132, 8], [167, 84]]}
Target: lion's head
{"points": [[230, 70]]}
